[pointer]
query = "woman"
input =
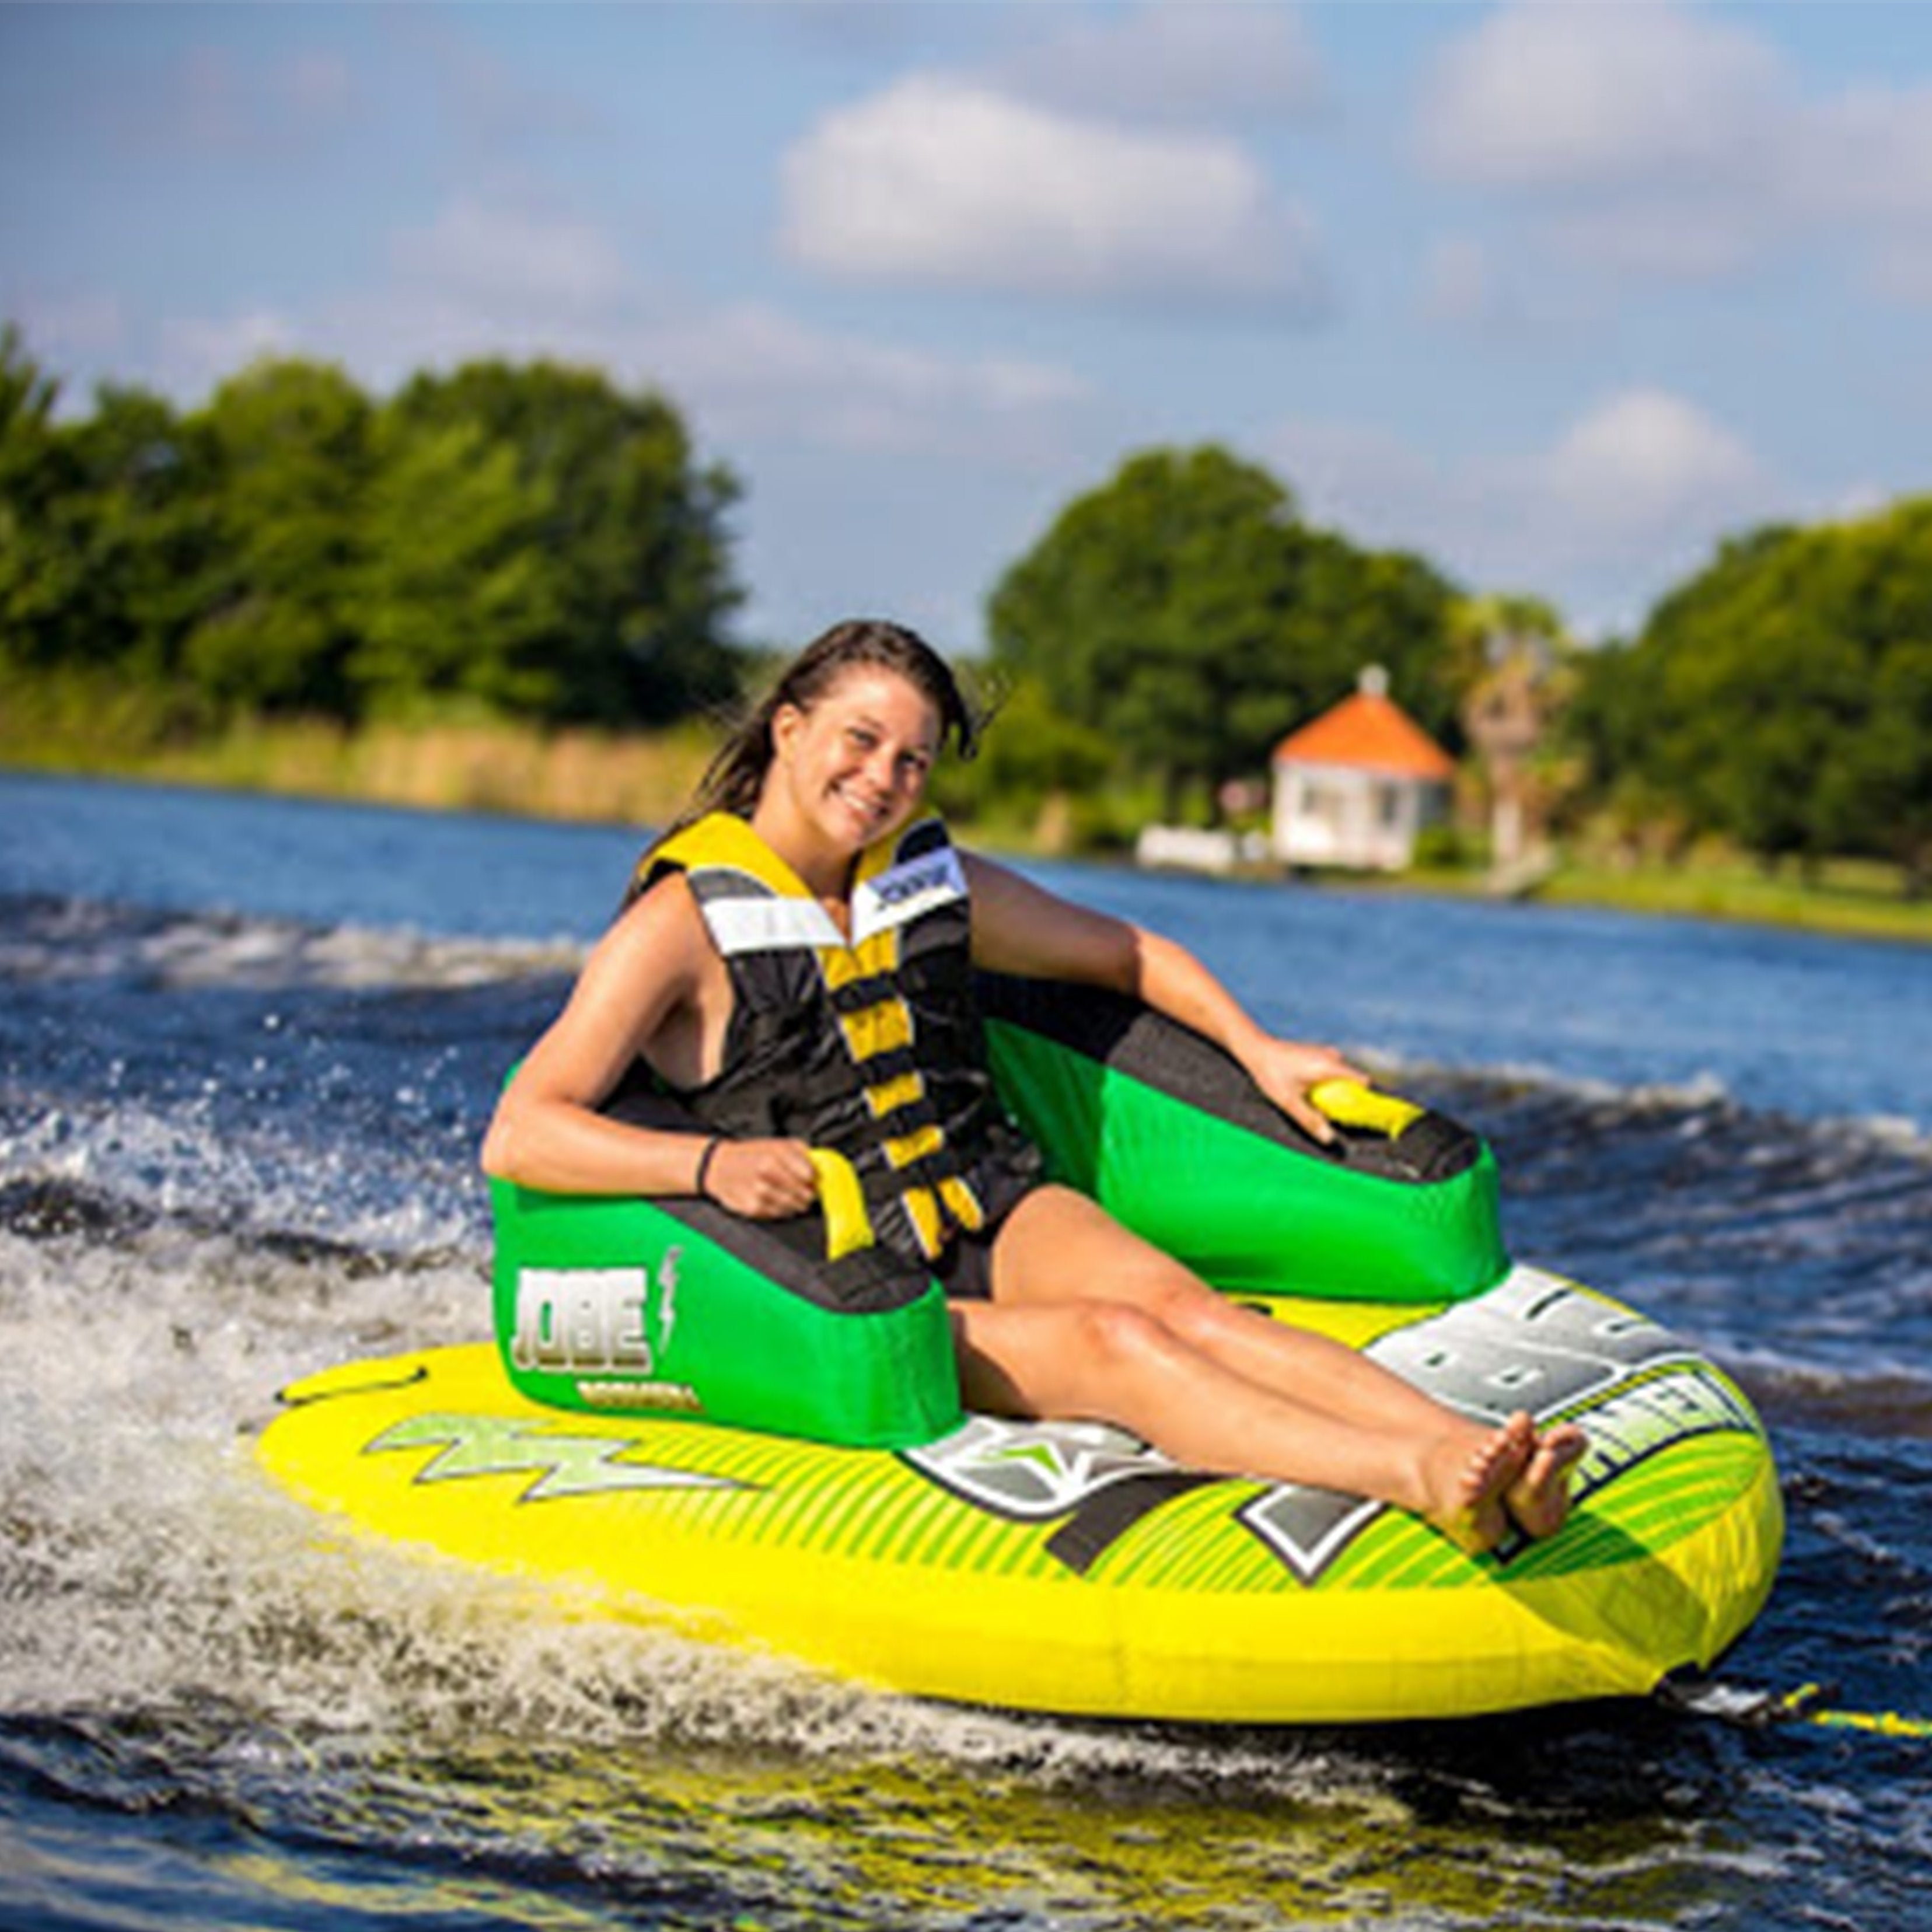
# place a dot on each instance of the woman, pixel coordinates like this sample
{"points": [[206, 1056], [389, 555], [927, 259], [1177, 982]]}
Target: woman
{"points": [[797, 956]]}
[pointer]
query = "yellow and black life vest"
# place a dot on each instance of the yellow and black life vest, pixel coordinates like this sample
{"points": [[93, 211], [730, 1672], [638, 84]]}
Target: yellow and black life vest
{"points": [[871, 1045]]}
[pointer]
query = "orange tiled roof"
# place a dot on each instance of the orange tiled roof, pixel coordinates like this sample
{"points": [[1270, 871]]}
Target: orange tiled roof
{"points": [[1372, 733]]}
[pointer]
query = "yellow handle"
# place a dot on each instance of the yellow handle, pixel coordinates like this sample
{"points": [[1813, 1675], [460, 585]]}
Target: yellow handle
{"points": [[1349, 1104], [847, 1226]]}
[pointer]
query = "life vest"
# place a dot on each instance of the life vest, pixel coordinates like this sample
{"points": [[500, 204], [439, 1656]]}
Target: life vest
{"points": [[871, 1045]]}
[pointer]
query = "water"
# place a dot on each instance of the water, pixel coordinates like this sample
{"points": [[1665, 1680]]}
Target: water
{"points": [[247, 1048]]}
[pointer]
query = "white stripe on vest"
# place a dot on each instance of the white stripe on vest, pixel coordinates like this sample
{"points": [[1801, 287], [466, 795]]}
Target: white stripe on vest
{"points": [[769, 925]]}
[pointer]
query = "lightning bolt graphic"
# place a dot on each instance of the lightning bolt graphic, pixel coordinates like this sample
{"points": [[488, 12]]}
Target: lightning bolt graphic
{"points": [[563, 1465]]}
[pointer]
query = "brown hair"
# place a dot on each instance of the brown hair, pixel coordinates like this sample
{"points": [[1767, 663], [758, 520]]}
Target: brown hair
{"points": [[736, 776]]}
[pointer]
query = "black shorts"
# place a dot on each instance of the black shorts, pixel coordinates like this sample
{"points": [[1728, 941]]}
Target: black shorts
{"points": [[965, 1269]]}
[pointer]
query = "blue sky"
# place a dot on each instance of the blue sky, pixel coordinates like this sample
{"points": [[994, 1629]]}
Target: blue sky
{"points": [[1557, 293]]}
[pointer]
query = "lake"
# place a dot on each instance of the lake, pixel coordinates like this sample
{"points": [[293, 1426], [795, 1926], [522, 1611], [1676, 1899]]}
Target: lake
{"points": [[247, 1049]]}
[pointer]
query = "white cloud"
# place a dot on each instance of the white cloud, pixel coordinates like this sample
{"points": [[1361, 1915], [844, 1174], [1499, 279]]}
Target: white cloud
{"points": [[211, 102], [1663, 141], [1174, 60], [197, 354], [1622, 502], [318, 87], [486, 280], [753, 372], [1473, 285], [495, 104], [1542, 98], [1460, 284], [1868, 166], [477, 254], [1643, 463], [949, 183], [63, 326]]}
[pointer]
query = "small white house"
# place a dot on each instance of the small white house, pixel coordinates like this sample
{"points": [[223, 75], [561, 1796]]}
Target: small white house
{"points": [[1355, 787]]}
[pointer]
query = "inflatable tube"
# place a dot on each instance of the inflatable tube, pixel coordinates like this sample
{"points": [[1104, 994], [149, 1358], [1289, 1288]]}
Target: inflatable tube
{"points": [[1172, 1138], [1067, 1567], [805, 1327]]}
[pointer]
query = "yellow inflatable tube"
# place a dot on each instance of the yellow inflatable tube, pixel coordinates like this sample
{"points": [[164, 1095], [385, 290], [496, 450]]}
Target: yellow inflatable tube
{"points": [[1067, 1568]]}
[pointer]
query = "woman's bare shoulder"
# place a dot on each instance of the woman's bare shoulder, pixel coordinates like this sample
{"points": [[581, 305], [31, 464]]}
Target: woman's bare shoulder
{"points": [[663, 918], [649, 959]]}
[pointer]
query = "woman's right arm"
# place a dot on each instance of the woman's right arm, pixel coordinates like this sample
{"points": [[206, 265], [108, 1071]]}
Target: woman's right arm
{"points": [[546, 1132], [647, 973]]}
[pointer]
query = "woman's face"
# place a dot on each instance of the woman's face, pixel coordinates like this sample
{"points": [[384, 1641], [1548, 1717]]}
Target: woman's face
{"points": [[857, 764]]}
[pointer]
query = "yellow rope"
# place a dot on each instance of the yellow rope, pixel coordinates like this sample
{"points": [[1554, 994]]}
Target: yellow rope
{"points": [[1883, 1723]]}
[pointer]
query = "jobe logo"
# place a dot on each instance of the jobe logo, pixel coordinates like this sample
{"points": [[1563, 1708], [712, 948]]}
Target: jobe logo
{"points": [[594, 1321], [907, 882], [905, 891]]}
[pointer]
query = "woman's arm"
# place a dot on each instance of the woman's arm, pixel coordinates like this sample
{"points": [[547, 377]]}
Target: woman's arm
{"points": [[646, 978], [1019, 928]]}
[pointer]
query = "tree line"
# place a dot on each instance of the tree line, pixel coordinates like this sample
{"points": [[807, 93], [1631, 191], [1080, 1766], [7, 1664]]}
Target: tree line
{"points": [[531, 542], [1780, 698], [528, 540]]}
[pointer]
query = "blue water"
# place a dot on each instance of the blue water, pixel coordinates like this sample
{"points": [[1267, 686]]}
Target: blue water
{"points": [[246, 1047]]}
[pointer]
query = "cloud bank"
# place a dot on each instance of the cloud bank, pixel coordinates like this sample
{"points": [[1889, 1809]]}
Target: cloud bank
{"points": [[1621, 500], [950, 183], [1657, 141]]}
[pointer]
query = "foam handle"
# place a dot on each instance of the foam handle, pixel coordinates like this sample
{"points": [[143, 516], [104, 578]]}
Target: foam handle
{"points": [[1350, 1104]]}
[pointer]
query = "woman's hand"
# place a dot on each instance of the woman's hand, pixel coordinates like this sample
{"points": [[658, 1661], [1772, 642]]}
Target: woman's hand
{"points": [[764, 1181], [1285, 1070]]}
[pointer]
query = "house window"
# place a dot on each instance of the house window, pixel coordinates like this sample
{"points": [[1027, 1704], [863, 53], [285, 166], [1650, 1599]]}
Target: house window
{"points": [[1326, 805]]}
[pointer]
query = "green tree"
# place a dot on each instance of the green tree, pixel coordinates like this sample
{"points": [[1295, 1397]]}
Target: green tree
{"points": [[1351, 607], [634, 527], [1135, 610], [147, 538], [1877, 796], [288, 446], [103, 529], [40, 575], [1184, 611], [1777, 697], [456, 596], [1031, 753]]}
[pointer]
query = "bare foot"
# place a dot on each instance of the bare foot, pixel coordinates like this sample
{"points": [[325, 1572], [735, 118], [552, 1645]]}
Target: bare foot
{"points": [[1468, 1486], [1538, 1501]]}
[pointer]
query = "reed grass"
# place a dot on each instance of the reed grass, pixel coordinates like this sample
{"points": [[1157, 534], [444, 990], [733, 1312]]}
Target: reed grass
{"points": [[441, 764]]}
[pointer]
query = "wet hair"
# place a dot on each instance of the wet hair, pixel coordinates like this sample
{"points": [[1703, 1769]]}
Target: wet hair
{"points": [[736, 776]]}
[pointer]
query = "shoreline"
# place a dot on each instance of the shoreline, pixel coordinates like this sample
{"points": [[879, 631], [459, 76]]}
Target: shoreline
{"points": [[590, 778]]}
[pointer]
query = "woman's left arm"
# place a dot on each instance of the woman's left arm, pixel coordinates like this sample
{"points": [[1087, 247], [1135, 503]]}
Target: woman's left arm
{"points": [[1020, 928]]}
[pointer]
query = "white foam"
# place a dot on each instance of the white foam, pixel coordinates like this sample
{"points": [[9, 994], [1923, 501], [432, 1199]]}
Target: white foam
{"points": [[152, 1567]]}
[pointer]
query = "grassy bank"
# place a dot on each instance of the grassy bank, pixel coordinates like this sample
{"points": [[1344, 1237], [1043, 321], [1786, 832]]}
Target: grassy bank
{"points": [[485, 766], [476, 765], [1853, 899]]}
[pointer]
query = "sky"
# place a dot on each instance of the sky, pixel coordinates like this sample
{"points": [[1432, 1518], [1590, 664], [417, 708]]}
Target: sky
{"points": [[1557, 294]]}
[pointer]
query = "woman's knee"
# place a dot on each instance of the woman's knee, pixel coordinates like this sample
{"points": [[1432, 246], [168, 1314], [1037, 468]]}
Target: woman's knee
{"points": [[1181, 1302], [1074, 1357], [1117, 1337]]}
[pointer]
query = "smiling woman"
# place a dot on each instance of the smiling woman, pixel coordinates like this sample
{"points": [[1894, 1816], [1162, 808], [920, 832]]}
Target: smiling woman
{"points": [[795, 970]]}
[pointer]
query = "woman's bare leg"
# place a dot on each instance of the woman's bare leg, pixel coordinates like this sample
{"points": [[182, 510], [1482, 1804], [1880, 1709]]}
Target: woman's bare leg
{"points": [[1103, 1361], [1058, 1246]]}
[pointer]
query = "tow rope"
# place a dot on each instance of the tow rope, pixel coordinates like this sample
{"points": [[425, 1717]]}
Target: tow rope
{"points": [[1734, 1704]]}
